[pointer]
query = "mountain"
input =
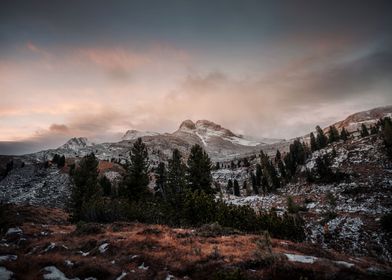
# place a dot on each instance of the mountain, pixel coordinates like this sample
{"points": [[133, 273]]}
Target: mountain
{"points": [[76, 143], [340, 216], [134, 134], [369, 117]]}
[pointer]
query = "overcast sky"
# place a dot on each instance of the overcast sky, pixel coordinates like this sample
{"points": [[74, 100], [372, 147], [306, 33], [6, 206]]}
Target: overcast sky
{"points": [[262, 68]]}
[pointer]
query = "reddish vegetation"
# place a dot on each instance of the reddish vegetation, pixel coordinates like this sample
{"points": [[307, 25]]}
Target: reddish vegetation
{"points": [[198, 254]]}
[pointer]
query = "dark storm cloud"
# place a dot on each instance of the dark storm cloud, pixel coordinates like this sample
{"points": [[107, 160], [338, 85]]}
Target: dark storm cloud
{"points": [[56, 22]]}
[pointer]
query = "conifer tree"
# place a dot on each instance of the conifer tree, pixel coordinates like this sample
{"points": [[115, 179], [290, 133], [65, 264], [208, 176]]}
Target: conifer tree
{"points": [[387, 135], [61, 161], [280, 165], [106, 186], [313, 143], [199, 170], [374, 130], [333, 134], [136, 179], [160, 181], [230, 186], [344, 134], [259, 173], [176, 180], [364, 131], [236, 188], [85, 185], [254, 185], [321, 139]]}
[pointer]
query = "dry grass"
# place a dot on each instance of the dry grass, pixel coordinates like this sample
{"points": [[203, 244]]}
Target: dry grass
{"points": [[182, 252]]}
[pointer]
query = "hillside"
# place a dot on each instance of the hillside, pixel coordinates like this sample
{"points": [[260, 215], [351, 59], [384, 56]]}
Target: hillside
{"points": [[41, 244], [342, 218]]}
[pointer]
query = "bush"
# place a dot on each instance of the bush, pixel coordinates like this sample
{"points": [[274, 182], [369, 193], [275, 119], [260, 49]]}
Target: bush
{"points": [[386, 222], [83, 228]]}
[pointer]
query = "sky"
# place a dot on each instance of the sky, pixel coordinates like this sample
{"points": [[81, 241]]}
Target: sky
{"points": [[262, 68]]}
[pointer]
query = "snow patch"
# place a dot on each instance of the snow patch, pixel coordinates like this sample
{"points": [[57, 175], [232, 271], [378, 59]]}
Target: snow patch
{"points": [[5, 274], [301, 258], [7, 258], [53, 273]]}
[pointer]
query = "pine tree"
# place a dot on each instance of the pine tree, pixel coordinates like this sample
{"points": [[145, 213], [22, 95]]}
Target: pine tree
{"points": [[199, 170], [321, 139], [254, 185], [160, 181], [344, 134], [136, 179], [387, 135], [106, 186], [236, 188], [280, 165], [85, 185], [374, 130], [313, 143], [230, 186], [61, 161], [176, 180], [269, 172], [259, 173], [333, 134], [364, 131]]}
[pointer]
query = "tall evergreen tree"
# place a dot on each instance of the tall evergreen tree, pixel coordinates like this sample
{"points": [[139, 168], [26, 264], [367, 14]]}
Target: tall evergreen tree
{"points": [[364, 131], [280, 165], [176, 185], [106, 185], [199, 170], [161, 178], [333, 134], [259, 173], [321, 139], [374, 130], [136, 179], [313, 143], [344, 134], [230, 186], [85, 185], [254, 185], [236, 188], [387, 135]]}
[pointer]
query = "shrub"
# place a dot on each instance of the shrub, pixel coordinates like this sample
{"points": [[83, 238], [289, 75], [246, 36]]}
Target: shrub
{"points": [[386, 222]]}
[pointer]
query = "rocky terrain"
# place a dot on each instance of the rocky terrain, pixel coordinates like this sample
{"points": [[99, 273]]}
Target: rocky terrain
{"points": [[342, 219], [40, 244]]}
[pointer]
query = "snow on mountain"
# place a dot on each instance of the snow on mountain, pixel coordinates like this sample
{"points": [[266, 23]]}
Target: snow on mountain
{"points": [[369, 117], [76, 143], [134, 134], [207, 130]]}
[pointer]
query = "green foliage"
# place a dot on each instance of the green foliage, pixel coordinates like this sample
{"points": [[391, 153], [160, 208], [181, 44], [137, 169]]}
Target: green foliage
{"points": [[59, 160], [230, 186], [235, 274], [254, 185], [386, 128], [333, 134], [364, 131], [106, 185], [292, 207], [161, 179], [85, 185], [313, 143], [386, 222], [270, 176], [236, 188], [136, 178], [321, 139], [323, 173], [344, 134], [199, 170]]}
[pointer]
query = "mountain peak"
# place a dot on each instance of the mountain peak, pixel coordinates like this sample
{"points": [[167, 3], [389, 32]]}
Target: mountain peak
{"points": [[76, 143], [188, 124], [134, 134]]}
